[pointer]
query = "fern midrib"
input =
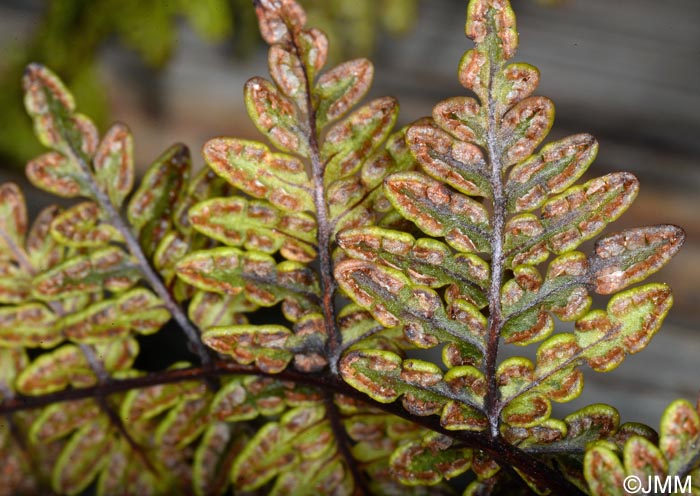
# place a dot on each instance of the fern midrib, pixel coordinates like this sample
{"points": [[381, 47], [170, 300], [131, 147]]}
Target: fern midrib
{"points": [[429, 269], [497, 255], [549, 228], [343, 442], [272, 282], [324, 227], [116, 420], [449, 159], [368, 334], [541, 297], [145, 267], [328, 285]]}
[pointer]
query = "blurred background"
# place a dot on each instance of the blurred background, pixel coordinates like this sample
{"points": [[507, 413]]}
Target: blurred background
{"points": [[626, 71]]}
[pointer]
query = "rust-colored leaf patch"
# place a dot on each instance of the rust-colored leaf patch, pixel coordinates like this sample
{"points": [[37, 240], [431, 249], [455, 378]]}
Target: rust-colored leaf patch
{"points": [[439, 211], [279, 19], [56, 174], [457, 163], [80, 226], [625, 258], [106, 268], [524, 128], [264, 345], [340, 88], [250, 166], [556, 167], [114, 163], [275, 116], [153, 205]]}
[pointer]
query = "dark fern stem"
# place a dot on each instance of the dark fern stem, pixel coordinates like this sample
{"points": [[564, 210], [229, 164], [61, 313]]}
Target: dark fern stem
{"points": [[506, 454]]}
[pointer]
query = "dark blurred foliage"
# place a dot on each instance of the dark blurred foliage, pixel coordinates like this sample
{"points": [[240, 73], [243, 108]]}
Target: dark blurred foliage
{"points": [[69, 34]]}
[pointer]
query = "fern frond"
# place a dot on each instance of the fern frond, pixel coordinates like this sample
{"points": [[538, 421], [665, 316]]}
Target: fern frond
{"points": [[458, 233], [503, 206]]}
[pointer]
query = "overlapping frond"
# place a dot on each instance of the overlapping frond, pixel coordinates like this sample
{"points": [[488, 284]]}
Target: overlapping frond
{"points": [[500, 206]]}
